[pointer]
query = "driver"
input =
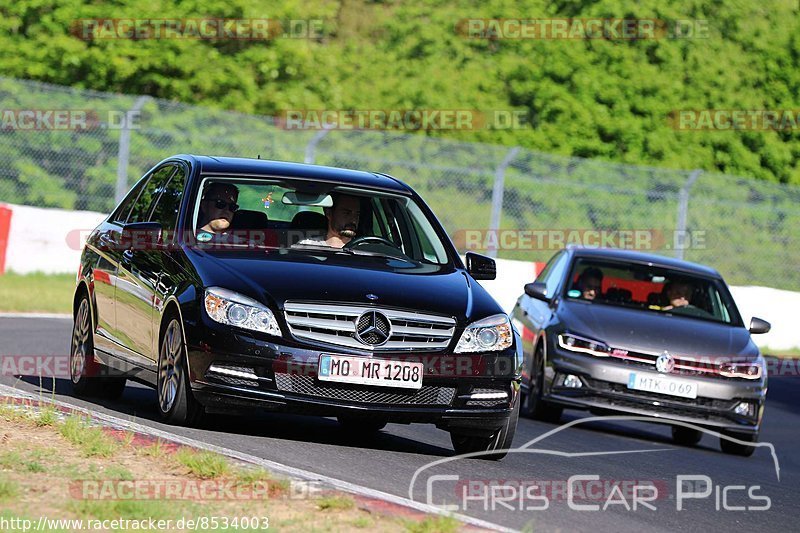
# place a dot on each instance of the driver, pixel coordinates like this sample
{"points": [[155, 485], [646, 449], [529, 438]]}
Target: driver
{"points": [[342, 221]]}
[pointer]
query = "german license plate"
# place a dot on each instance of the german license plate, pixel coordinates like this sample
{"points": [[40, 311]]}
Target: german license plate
{"points": [[662, 385], [366, 371]]}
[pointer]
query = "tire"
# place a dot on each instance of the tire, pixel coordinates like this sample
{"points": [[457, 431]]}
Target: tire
{"points": [[176, 403], [533, 404], [500, 440], [734, 448], [85, 373], [362, 425], [686, 436]]}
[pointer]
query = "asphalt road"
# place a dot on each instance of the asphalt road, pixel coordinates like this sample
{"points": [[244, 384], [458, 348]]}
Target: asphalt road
{"points": [[388, 461]]}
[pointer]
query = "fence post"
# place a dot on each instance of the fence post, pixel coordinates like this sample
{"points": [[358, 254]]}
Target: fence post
{"points": [[123, 152], [683, 210], [497, 198], [311, 148]]}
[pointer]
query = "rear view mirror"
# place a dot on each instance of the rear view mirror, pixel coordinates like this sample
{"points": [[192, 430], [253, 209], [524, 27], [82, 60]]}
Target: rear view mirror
{"points": [[480, 266], [758, 325], [305, 198], [537, 290]]}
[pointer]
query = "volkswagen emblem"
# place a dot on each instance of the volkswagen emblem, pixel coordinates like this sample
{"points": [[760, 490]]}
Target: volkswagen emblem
{"points": [[373, 328], [665, 363]]}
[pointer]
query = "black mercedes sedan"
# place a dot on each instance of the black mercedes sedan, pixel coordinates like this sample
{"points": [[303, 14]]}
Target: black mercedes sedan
{"points": [[623, 332], [230, 284]]}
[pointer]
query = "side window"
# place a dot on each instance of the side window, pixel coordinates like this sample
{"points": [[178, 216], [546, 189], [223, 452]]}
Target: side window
{"points": [[146, 199], [121, 213], [555, 275], [168, 201]]}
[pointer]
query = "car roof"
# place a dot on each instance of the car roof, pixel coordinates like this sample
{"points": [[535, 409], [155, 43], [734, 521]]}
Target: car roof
{"points": [[266, 167], [641, 257]]}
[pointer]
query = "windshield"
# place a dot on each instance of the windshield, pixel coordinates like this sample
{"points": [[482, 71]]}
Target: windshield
{"points": [[297, 216], [650, 288]]}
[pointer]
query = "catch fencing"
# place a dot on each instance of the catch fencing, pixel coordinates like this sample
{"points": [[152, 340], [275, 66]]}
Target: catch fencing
{"points": [[509, 202]]}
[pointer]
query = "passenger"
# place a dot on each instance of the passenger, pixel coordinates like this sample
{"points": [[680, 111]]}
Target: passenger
{"points": [[590, 283], [678, 294], [342, 222], [216, 210]]}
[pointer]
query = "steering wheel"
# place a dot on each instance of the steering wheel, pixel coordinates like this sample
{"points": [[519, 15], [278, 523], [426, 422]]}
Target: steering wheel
{"points": [[369, 239]]}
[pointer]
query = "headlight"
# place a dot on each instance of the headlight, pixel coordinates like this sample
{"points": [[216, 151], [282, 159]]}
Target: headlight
{"points": [[487, 335], [740, 370], [233, 309], [575, 343]]}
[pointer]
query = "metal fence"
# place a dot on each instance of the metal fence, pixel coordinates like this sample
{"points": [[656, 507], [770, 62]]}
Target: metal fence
{"points": [[509, 202]]}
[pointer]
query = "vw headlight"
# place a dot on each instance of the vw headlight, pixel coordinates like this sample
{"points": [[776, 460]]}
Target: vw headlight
{"points": [[741, 370], [487, 335], [575, 343], [233, 309]]}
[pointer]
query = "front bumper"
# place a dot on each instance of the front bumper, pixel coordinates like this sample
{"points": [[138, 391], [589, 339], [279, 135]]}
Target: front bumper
{"points": [[605, 390], [258, 373]]}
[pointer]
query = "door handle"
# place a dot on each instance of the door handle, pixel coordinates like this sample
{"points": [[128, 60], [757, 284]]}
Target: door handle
{"points": [[106, 240]]}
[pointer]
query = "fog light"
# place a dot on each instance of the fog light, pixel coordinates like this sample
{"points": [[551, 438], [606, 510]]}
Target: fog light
{"points": [[745, 409], [573, 382], [233, 371]]}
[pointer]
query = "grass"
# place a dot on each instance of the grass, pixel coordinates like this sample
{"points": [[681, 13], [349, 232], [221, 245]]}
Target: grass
{"points": [[92, 441], [155, 450], [434, 524], [788, 352], [131, 509], [43, 293], [47, 416], [203, 464], [8, 489], [117, 472], [336, 503]]}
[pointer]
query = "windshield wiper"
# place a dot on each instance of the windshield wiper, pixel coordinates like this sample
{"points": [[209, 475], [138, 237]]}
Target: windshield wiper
{"points": [[380, 254]]}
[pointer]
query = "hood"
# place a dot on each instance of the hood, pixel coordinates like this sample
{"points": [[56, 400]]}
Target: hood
{"points": [[274, 277], [645, 331]]}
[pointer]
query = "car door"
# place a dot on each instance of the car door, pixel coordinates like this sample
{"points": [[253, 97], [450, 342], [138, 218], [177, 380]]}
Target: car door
{"points": [[159, 264], [137, 279], [106, 243], [533, 314]]}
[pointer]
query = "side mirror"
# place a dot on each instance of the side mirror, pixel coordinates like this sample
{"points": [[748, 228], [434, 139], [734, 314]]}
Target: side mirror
{"points": [[537, 290], [481, 267], [758, 325], [141, 236]]}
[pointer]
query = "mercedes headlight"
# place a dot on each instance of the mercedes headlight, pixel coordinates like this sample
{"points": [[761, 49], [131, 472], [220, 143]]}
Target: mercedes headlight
{"points": [[487, 335], [575, 343], [233, 309]]}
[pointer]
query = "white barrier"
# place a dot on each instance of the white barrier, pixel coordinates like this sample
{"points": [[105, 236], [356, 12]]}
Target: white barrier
{"points": [[47, 240], [50, 240]]}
